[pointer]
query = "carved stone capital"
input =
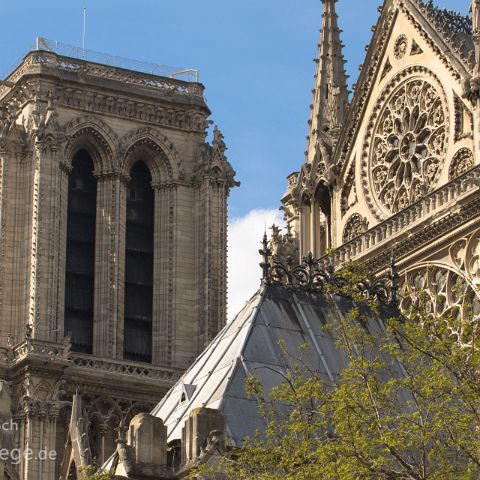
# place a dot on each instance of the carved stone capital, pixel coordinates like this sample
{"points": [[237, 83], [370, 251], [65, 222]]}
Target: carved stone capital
{"points": [[116, 174], [157, 186]]}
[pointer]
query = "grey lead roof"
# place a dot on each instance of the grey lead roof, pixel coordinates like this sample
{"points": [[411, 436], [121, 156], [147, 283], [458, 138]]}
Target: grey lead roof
{"points": [[249, 344]]}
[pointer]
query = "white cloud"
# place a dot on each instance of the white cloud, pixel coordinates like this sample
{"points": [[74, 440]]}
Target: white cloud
{"points": [[244, 240]]}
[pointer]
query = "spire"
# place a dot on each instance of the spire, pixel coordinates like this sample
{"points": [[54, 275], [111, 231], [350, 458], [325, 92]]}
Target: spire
{"points": [[330, 95]]}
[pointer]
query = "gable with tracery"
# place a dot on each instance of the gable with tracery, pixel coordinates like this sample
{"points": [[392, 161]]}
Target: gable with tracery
{"points": [[403, 173], [415, 120]]}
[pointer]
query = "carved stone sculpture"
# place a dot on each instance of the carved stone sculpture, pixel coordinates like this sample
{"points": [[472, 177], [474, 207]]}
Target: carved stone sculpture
{"points": [[334, 106]]}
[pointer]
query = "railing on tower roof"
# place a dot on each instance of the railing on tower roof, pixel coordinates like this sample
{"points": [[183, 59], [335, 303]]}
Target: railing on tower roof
{"points": [[47, 54], [63, 49]]}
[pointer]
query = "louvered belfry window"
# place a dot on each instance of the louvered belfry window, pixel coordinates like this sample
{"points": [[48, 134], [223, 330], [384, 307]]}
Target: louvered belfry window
{"points": [[139, 266], [80, 255]]}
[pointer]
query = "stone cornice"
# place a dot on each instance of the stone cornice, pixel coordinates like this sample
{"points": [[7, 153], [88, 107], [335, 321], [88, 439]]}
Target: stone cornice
{"points": [[32, 353], [178, 110], [49, 63], [189, 119]]}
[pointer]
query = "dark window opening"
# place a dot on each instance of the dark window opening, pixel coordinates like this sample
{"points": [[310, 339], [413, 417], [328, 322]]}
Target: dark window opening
{"points": [[137, 345], [80, 255], [72, 472], [174, 454], [324, 208], [307, 246]]}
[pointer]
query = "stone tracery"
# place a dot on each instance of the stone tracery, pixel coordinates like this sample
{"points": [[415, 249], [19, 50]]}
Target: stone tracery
{"points": [[409, 145], [461, 163], [355, 226], [448, 295], [105, 416]]}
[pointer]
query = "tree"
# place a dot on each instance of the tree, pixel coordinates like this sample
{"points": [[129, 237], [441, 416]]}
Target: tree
{"points": [[407, 406], [92, 472]]}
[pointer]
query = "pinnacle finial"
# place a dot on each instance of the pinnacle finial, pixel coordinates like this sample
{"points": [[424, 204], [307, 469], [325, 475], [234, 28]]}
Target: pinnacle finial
{"points": [[330, 95], [266, 253]]}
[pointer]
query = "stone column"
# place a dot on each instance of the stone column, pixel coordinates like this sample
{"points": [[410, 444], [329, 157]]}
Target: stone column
{"points": [[211, 257], [109, 265], [313, 225], [6, 327], [102, 432], [29, 467], [163, 265], [304, 229], [202, 260], [65, 169], [102, 317], [6, 434], [38, 433], [50, 463], [16, 262], [49, 206], [217, 262], [19, 418]]}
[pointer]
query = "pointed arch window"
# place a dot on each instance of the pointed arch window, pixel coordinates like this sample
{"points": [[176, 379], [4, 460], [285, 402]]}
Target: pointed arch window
{"points": [[80, 254], [139, 266]]}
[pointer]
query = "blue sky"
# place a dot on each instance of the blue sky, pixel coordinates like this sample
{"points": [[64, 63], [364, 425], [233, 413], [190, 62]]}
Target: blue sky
{"points": [[254, 56]]}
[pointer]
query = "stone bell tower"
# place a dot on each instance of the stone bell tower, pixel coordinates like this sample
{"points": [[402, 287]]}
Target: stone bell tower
{"points": [[113, 225]]}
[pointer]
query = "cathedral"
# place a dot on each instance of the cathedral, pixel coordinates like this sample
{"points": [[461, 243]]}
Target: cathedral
{"points": [[391, 173], [113, 238]]}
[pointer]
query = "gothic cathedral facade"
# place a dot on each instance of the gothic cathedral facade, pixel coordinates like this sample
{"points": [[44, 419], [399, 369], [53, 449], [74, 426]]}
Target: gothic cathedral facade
{"points": [[390, 172], [113, 230], [394, 173], [113, 211]]}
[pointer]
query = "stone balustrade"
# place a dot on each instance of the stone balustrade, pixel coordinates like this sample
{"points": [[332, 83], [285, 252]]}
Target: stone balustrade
{"points": [[165, 374], [48, 351], [39, 347], [425, 210]]}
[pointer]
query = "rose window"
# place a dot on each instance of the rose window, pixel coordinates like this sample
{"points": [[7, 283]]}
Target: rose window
{"points": [[409, 145]]}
